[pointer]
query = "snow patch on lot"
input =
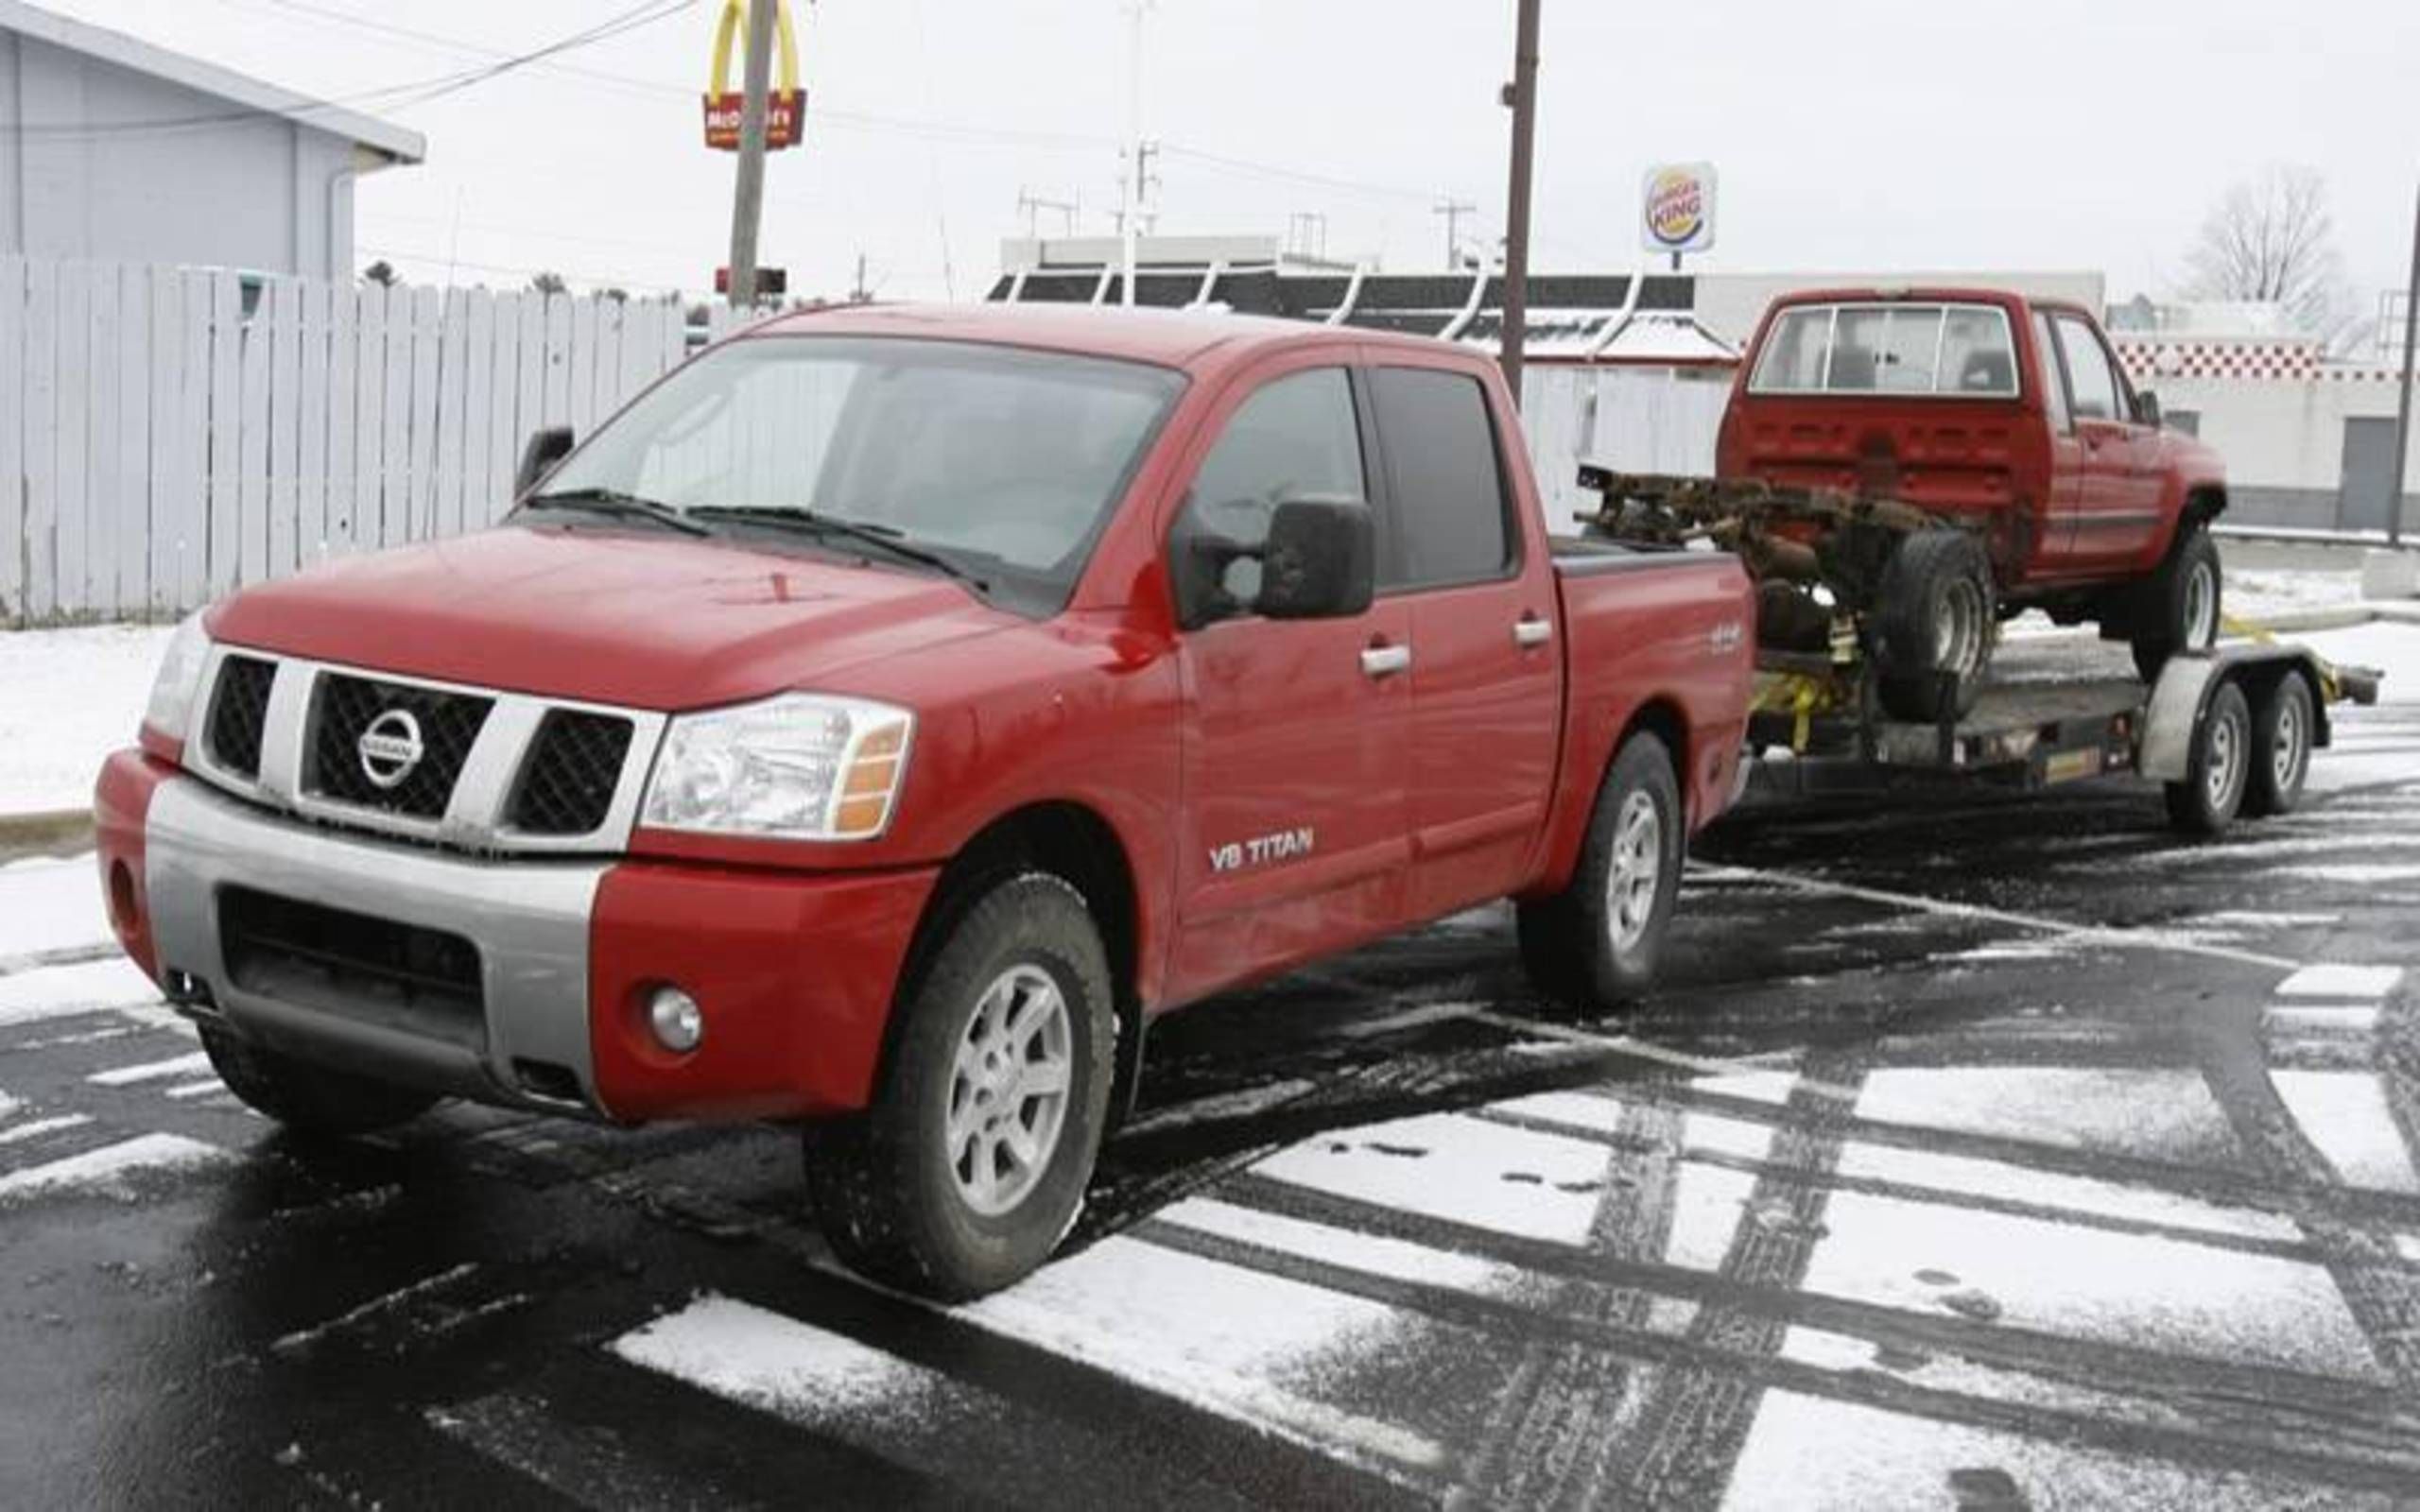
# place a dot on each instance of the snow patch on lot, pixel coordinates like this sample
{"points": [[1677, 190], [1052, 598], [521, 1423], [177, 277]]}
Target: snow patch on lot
{"points": [[762, 1359], [2343, 983], [58, 992], [51, 905], [2345, 1113], [67, 698], [111, 1169], [2155, 1113]]}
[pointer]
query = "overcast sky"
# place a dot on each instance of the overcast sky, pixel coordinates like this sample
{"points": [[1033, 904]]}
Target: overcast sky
{"points": [[1850, 134]]}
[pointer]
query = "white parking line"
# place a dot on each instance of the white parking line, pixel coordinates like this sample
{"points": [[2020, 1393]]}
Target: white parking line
{"points": [[1644, 1050], [2342, 983], [43, 1126], [2148, 939]]}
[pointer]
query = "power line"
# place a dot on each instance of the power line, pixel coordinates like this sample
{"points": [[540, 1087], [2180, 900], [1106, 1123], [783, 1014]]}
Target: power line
{"points": [[402, 95]]}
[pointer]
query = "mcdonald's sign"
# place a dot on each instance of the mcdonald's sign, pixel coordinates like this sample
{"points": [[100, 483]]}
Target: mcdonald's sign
{"points": [[785, 108]]}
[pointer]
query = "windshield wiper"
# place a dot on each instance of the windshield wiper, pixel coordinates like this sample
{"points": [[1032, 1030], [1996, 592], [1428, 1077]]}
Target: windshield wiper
{"points": [[890, 538], [617, 505]]}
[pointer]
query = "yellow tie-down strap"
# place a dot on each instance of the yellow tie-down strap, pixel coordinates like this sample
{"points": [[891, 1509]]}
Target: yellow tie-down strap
{"points": [[2330, 688], [1800, 695]]}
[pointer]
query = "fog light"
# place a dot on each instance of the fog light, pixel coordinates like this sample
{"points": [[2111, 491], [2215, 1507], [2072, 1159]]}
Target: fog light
{"points": [[674, 1017]]}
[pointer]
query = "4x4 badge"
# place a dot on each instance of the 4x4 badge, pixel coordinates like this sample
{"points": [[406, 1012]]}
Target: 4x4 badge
{"points": [[390, 748]]}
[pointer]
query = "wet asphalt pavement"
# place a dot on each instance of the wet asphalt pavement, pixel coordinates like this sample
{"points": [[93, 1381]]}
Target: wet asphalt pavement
{"points": [[1979, 1155]]}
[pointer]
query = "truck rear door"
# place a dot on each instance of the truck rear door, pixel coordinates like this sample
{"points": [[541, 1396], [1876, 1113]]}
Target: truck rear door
{"points": [[1297, 734], [1487, 676]]}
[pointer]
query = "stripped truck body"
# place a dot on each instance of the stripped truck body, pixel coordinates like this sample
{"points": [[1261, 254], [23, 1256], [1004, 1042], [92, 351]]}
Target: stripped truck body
{"points": [[1054, 670], [1936, 460]]}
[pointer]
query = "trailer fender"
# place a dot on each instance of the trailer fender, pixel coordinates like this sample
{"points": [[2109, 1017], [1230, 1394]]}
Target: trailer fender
{"points": [[2183, 692], [2188, 682]]}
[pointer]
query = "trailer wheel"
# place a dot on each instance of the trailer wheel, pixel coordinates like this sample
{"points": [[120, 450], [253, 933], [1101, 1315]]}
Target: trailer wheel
{"points": [[2177, 608], [1595, 944], [2281, 731], [305, 1097], [2218, 768], [1936, 613], [970, 1166]]}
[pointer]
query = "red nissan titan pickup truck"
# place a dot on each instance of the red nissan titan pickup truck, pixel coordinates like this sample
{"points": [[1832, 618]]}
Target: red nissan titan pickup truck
{"points": [[2009, 418], [884, 716]]}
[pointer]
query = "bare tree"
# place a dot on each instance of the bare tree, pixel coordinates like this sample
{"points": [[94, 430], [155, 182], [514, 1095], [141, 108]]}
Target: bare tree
{"points": [[548, 282], [2270, 240], [381, 273]]}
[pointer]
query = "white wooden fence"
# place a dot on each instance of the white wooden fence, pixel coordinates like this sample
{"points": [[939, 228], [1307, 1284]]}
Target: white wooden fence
{"points": [[159, 447]]}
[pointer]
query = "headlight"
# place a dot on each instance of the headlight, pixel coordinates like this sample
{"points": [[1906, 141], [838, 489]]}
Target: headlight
{"points": [[179, 683], [800, 766]]}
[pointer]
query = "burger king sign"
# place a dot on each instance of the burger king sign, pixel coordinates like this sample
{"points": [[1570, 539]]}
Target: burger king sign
{"points": [[1677, 208]]}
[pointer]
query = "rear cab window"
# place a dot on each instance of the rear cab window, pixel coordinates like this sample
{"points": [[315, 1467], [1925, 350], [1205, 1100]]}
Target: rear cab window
{"points": [[1944, 349], [1450, 518]]}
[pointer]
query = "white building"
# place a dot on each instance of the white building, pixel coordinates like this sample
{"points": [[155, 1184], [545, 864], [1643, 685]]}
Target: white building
{"points": [[113, 150]]}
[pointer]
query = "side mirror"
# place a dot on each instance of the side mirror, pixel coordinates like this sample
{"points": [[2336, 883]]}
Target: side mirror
{"points": [[2147, 408], [1321, 561], [544, 449]]}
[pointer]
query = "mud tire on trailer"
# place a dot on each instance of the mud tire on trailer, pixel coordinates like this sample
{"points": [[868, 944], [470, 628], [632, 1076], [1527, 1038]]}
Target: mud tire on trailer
{"points": [[1595, 945], [2282, 725], [2177, 608], [890, 1184], [1935, 612], [2219, 769], [306, 1097]]}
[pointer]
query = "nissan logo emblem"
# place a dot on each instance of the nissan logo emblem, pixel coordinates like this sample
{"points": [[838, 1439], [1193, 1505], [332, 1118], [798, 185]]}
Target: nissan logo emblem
{"points": [[390, 748]]}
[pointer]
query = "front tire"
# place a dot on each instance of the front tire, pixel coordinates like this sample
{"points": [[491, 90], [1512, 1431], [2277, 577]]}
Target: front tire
{"points": [[305, 1097], [1595, 944], [2177, 608], [2218, 770], [970, 1166]]}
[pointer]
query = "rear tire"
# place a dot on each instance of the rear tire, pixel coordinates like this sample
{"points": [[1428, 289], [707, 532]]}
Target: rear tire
{"points": [[1936, 612], [2177, 608], [2281, 736], [965, 1175], [308, 1098], [1595, 944], [2216, 774]]}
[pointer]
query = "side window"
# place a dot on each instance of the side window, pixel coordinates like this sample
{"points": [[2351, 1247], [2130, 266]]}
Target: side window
{"points": [[2093, 380], [1451, 524], [2055, 381], [1294, 437]]}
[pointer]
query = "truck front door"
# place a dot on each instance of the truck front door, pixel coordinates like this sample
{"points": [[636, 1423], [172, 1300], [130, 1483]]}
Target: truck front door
{"points": [[1486, 675], [1297, 731], [2116, 515]]}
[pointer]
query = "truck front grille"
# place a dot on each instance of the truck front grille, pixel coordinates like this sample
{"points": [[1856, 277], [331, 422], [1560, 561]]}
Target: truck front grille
{"points": [[575, 765], [446, 723], [424, 981], [239, 713]]}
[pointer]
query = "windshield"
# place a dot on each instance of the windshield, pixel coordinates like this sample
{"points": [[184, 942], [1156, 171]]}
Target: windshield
{"points": [[1002, 462]]}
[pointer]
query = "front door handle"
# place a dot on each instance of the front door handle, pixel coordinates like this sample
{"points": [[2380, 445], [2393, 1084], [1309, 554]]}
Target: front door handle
{"points": [[1531, 631], [1386, 661]]}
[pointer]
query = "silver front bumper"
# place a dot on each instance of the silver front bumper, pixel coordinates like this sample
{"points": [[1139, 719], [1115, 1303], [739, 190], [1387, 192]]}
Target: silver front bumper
{"points": [[527, 919]]}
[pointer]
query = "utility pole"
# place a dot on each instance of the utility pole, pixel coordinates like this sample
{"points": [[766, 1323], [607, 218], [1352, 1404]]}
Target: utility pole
{"points": [[748, 194], [1032, 205], [2403, 402], [1131, 189], [1454, 210], [1522, 95]]}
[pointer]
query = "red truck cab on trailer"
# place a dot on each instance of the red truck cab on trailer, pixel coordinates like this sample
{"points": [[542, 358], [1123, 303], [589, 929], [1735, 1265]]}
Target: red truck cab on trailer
{"points": [[886, 715], [2009, 414]]}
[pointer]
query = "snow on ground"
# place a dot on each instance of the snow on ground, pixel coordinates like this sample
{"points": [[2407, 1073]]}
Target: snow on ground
{"points": [[49, 907], [68, 698]]}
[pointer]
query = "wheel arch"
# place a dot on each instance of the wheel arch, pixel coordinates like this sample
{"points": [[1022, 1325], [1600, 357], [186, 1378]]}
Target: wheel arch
{"points": [[1075, 843]]}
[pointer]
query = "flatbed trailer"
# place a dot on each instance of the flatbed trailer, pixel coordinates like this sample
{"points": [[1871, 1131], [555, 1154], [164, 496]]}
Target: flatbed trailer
{"points": [[2227, 733]]}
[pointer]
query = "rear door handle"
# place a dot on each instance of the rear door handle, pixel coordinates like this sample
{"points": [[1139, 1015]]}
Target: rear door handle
{"points": [[1386, 661], [1531, 631]]}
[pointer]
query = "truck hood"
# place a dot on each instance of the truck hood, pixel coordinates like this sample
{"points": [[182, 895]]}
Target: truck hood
{"points": [[648, 622]]}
